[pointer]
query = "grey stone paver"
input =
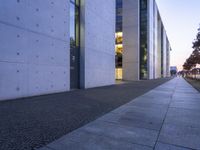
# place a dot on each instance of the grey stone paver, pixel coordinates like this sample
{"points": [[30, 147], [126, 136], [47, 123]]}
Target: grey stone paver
{"points": [[93, 141], [142, 107], [162, 146], [186, 136], [179, 116], [138, 116], [185, 104], [148, 121], [182, 124], [165, 118], [126, 133]]}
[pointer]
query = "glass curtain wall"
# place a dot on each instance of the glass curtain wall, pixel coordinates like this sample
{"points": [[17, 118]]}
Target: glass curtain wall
{"points": [[74, 44], [118, 41], [143, 40]]}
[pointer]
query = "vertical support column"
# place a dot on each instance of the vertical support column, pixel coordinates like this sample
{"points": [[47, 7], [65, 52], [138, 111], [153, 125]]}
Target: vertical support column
{"points": [[159, 39], [97, 31], [155, 41], [82, 44], [164, 53], [150, 39], [131, 40]]}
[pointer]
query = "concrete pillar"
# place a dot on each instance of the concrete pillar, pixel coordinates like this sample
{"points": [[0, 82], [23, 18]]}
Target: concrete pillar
{"points": [[131, 42], [97, 43], [150, 38], [158, 65]]}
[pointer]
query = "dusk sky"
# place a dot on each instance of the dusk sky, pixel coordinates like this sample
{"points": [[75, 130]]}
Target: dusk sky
{"points": [[181, 19]]}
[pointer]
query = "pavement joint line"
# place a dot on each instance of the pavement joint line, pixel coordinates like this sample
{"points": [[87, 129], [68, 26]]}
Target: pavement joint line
{"points": [[112, 139], [165, 115], [183, 108], [121, 126], [176, 145], [137, 106], [187, 126]]}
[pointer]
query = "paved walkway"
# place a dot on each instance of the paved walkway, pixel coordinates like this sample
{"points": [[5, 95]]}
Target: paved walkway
{"points": [[33, 122], [166, 118]]}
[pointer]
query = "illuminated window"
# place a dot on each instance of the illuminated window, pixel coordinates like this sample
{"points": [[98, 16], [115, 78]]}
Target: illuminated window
{"points": [[118, 41]]}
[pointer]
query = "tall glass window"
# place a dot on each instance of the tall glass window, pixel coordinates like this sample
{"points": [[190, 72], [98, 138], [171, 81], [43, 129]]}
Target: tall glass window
{"points": [[119, 40], [118, 15], [74, 43], [74, 23], [143, 40]]}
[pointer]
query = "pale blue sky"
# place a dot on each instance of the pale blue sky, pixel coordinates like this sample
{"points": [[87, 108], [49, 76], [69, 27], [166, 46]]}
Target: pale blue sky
{"points": [[181, 19]]}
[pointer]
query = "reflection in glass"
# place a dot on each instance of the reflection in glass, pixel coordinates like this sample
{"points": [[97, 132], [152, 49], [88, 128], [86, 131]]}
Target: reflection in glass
{"points": [[74, 43], [143, 39]]}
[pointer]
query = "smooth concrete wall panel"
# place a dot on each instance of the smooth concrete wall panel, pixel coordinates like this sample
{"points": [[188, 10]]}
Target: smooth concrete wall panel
{"points": [[42, 16], [49, 78], [159, 25], [131, 40], [155, 41], [98, 43], [157, 38], [34, 45], [150, 48], [168, 59], [13, 80], [162, 43], [164, 53]]}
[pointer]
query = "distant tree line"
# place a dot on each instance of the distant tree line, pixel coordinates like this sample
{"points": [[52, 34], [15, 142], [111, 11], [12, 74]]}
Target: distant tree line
{"points": [[194, 58]]}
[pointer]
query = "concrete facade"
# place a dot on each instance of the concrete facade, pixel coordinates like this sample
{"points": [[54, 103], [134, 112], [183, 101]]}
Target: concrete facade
{"points": [[168, 59], [158, 58], [35, 46], [158, 47], [166, 55], [98, 47], [151, 40], [131, 41], [164, 52]]}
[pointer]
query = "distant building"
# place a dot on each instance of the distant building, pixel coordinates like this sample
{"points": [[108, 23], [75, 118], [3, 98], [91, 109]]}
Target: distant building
{"points": [[173, 70]]}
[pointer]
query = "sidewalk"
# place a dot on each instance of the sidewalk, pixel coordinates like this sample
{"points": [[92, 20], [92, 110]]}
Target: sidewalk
{"points": [[166, 118], [33, 122]]}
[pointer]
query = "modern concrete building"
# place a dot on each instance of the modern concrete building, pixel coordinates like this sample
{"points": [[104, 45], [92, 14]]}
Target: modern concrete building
{"points": [[142, 46], [50, 46]]}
